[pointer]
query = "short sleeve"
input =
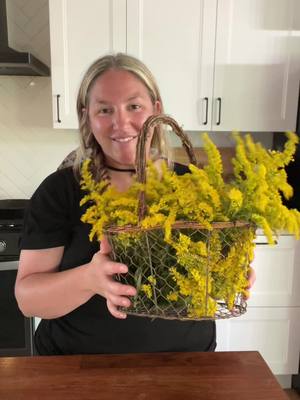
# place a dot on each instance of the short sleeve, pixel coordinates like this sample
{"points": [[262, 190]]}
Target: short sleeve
{"points": [[181, 169], [48, 218]]}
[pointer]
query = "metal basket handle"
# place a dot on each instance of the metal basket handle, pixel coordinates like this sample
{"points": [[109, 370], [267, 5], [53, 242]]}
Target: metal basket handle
{"points": [[151, 122]]}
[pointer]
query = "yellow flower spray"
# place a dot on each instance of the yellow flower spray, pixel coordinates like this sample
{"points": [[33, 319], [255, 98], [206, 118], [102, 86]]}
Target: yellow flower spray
{"points": [[190, 269]]}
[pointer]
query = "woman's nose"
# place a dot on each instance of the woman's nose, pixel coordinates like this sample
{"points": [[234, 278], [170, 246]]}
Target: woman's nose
{"points": [[120, 119]]}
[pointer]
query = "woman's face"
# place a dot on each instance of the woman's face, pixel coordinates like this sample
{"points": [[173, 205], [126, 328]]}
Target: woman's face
{"points": [[119, 104]]}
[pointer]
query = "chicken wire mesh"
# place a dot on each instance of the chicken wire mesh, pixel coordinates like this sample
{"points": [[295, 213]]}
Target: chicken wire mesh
{"points": [[210, 283], [193, 273]]}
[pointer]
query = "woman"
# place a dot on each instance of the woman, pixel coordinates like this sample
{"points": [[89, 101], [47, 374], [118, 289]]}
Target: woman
{"points": [[67, 280]]}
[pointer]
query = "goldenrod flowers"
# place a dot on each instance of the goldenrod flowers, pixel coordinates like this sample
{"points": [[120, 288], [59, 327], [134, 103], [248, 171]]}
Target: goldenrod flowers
{"points": [[261, 178], [196, 269]]}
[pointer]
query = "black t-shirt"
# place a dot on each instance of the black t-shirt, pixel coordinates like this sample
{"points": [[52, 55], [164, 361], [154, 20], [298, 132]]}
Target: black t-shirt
{"points": [[53, 219]]}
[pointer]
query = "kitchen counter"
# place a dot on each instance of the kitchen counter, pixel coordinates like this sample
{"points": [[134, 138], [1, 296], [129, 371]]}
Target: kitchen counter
{"points": [[162, 376]]}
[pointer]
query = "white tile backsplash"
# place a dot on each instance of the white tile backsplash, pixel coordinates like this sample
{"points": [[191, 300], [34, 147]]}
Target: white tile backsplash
{"points": [[30, 149]]}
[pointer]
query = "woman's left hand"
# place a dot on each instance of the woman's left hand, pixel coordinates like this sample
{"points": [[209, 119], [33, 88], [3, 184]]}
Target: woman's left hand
{"points": [[251, 279]]}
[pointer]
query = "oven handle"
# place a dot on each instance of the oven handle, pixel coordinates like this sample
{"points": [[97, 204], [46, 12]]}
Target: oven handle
{"points": [[8, 265]]}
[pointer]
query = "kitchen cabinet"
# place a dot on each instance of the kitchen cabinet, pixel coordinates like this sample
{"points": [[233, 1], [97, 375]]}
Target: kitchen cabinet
{"points": [[257, 65], [273, 331], [271, 324], [277, 270], [79, 33], [177, 43], [220, 64]]}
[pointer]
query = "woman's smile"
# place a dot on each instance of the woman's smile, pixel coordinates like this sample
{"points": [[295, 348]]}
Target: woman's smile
{"points": [[118, 107], [124, 139]]}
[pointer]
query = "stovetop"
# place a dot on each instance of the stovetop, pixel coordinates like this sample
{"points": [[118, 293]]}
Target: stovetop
{"points": [[12, 211], [11, 223]]}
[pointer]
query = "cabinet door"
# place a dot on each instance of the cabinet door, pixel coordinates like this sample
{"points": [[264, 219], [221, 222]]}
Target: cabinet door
{"points": [[277, 273], [80, 32], [176, 41], [257, 65], [274, 332]]}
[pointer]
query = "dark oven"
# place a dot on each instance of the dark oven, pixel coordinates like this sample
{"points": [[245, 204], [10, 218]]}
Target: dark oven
{"points": [[16, 333]]}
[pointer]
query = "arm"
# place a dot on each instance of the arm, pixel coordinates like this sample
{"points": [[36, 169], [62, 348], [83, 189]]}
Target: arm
{"points": [[41, 290]]}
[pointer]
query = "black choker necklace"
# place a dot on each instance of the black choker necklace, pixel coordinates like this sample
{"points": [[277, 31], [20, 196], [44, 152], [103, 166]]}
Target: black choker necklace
{"points": [[132, 170]]}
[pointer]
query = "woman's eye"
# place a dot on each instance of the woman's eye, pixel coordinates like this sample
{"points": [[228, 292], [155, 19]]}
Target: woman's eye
{"points": [[134, 106], [105, 110]]}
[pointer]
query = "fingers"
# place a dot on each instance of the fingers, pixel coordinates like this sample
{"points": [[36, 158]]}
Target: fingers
{"points": [[116, 298], [120, 301], [251, 278], [108, 266], [112, 268], [115, 301], [105, 269], [115, 312], [118, 289], [116, 293], [105, 247]]}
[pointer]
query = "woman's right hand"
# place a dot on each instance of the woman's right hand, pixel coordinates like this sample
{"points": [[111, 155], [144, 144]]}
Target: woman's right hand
{"points": [[103, 283]]}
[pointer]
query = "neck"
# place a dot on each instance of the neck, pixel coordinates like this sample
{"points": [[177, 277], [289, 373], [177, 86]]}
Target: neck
{"points": [[132, 170]]}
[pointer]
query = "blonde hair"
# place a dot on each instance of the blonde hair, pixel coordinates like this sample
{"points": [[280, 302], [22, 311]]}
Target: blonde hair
{"points": [[89, 147]]}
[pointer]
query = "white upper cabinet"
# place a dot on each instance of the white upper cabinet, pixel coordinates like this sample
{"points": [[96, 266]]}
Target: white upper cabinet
{"points": [[257, 65], [176, 41], [221, 65], [80, 31]]}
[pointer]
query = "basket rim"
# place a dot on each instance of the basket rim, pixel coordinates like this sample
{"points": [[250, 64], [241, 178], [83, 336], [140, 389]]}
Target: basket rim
{"points": [[178, 225]]}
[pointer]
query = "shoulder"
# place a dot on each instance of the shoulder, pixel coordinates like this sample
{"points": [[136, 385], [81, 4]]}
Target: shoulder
{"points": [[52, 211], [60, 177], [61, 185]]}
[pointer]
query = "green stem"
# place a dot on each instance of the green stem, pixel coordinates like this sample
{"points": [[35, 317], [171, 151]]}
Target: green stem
{"points": [[152, 272]]}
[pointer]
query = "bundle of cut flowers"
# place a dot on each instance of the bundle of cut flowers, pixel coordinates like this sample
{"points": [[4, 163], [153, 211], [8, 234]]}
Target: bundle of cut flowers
{"points": [[190, 254]]}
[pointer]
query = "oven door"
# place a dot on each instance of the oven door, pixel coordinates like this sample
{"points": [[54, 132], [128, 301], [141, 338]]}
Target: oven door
{"points": [[16, 333]]}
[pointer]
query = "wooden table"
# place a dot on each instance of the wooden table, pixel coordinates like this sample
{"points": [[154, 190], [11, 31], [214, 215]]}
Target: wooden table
{"points": [[161, 376]]}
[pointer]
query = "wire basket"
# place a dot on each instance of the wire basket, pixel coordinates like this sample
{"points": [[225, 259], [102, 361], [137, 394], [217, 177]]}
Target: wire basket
{"points": [[194, 285]]}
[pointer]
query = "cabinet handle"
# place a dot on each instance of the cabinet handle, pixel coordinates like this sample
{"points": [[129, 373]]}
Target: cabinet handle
{"points": [[265, 243], [219, 101], [57, 108], [206, 110]]}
